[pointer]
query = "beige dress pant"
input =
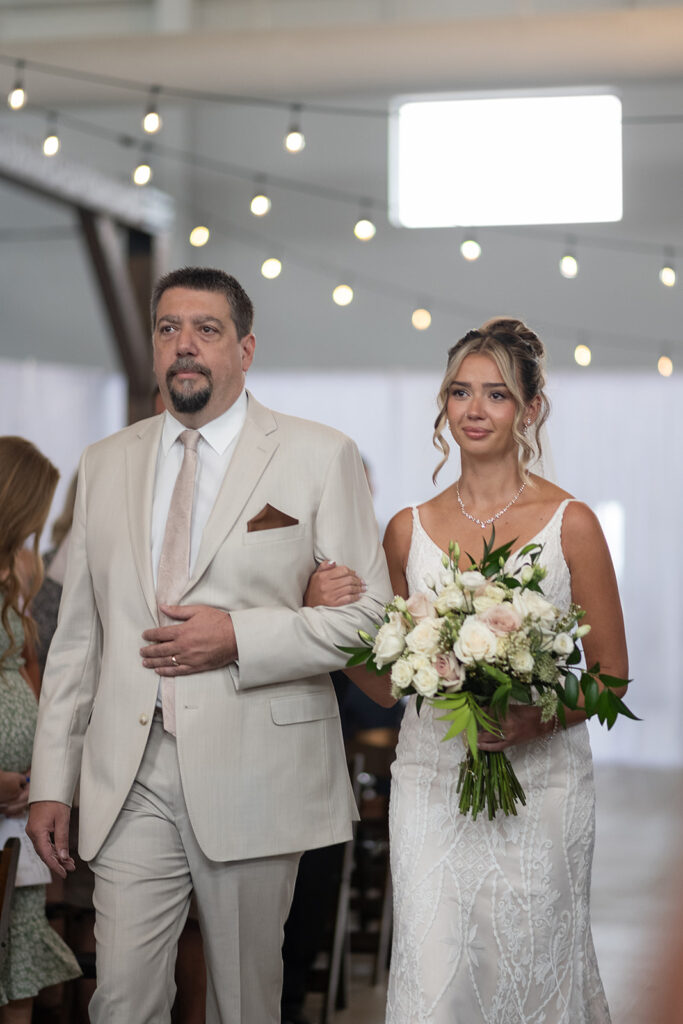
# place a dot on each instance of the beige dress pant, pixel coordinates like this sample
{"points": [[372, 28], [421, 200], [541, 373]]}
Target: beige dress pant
{"points": [[144, 876]]}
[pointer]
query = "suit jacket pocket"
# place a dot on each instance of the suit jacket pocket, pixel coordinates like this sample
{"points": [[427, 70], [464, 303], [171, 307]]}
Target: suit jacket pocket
{"points": [[282, 533], [303, 707]]}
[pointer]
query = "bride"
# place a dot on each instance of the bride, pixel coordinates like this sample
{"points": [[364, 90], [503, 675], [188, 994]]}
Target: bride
{"points": [[492, 918]]}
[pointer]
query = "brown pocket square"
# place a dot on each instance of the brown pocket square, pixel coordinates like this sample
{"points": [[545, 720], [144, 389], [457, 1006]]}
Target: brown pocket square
{"points": [[270, 518]]}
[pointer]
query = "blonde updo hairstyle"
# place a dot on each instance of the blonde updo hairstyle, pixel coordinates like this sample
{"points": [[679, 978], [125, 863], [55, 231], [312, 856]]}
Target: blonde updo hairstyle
{"points": [[27, 485], [519, 354]]}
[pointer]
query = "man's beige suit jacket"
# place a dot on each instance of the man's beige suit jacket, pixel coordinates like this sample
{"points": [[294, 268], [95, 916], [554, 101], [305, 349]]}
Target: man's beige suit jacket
{"points": [[259, 742]]}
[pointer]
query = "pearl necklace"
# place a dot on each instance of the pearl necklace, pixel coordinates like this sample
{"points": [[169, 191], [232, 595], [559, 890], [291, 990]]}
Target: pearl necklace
{"points": [[486, 522]]}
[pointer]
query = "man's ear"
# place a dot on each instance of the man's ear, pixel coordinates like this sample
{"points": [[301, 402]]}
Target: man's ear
{"points": [[247, 344]]}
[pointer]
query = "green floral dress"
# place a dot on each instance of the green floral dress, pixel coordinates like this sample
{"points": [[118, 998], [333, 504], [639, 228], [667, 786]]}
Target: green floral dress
{"points": [[36, 956]]}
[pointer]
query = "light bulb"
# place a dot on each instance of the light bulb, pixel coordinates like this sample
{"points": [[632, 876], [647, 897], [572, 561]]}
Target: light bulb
{"points": [[665, 366], [470, 250], [151, 122], [343, 294], [421, 319], [199, 236], [260, 205], [569, 267], [582, 355], [142, 175], [17, 98], [667, 275], [51, 145], [271, 268], [295, 140], [364, 229]]}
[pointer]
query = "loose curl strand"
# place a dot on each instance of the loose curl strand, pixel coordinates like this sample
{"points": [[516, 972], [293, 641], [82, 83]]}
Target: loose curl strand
{"points": [[27, 485], [519, 354]]}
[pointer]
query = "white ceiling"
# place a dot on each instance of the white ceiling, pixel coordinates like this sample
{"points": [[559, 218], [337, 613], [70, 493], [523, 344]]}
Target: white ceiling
{"points": [[354, 55]]}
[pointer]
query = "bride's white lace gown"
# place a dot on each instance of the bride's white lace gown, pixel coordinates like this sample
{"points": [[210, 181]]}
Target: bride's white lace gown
{"points": [[491, 918]]}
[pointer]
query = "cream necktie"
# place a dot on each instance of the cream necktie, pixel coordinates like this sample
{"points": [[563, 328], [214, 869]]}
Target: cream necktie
{"points": [[174, 561]]}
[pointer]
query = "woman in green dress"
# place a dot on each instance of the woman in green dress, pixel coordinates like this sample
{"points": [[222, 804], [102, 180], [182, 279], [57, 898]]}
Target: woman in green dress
{"points": [[35, 956]]}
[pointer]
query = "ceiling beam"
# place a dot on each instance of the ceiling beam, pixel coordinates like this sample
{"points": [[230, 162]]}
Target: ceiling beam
{"points": [[584, 47]]}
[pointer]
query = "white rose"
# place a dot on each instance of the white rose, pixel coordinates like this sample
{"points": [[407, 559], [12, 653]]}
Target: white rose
{"points": [[426, 680], [533, 604], [450, 599], [471, 579], [476, 642], [424, 638], [527, 574], [522, 662], [563, 644], [420, 605], [489, 598], [389, 644], [401, 673]]}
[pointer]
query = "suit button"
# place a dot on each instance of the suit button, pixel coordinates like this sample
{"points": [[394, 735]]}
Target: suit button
{"points": [[143, 719]]}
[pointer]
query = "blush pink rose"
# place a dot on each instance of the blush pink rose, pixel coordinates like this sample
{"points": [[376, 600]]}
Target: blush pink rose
{"points": [[420, 606], [450, 669], [501, 618]]}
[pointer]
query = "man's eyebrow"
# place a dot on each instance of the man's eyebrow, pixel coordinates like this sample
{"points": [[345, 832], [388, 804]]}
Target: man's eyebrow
{"points": [[199, 318]]}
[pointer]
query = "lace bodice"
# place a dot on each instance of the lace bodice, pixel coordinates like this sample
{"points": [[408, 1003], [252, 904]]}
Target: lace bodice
{"points": [[491, 918], [425, 557]]}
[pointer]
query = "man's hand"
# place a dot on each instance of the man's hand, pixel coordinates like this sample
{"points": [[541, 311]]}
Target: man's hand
{"points": [[48, 830], [202, 639]]}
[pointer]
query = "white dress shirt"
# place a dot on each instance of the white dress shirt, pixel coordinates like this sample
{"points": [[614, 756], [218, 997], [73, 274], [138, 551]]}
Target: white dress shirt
{"points": [[217, 443]]}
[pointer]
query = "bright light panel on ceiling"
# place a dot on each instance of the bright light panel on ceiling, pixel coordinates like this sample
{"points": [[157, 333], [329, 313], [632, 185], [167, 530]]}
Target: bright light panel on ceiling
{"points": [[553, 159]]}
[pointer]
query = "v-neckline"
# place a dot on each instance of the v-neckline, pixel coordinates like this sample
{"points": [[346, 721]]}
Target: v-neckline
{"points": [[512, 554]]}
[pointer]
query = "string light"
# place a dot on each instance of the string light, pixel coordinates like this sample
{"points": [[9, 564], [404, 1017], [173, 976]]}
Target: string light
{"points": [[271, 268], [470, 249], [665, 366], [343, 295], [569, 266], [421, 319], [16, 98], [295, 140], [151, 122], [667, 273], [142, 174], [199, 236], [364, 229], [51, 141], [582, 355], [260, 204]]}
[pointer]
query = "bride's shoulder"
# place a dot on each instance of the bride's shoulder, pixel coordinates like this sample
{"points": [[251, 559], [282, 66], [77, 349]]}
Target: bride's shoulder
{"points": [[547, 492], [399, 528]]}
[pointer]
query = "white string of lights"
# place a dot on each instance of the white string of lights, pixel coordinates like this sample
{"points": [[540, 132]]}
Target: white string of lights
{"points": [[294, 142]]}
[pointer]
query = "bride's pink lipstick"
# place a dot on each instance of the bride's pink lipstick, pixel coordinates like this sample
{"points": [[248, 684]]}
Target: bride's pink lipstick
{"points": [[474, 433]]}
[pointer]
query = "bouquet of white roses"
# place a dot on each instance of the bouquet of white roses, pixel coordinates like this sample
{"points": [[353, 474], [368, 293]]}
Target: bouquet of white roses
{"points": [[476, 640]]}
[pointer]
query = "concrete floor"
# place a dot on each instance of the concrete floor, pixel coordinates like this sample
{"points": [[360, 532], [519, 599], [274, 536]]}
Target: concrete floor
{"points": [[639, 841]]}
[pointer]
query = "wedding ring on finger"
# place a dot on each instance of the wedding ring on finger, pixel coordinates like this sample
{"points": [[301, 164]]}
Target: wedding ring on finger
{"points": [[174, 661]]}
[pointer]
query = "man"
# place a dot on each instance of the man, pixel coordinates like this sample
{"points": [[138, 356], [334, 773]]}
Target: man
{"points": [[256, 771]]}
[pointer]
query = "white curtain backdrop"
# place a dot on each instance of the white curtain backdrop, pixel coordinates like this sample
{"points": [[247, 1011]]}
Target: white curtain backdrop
{"points": [[616, 444], [62, 409]]}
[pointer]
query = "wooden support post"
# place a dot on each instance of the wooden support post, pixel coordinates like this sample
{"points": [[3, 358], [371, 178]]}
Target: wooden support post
{"points": [[124, 279]]}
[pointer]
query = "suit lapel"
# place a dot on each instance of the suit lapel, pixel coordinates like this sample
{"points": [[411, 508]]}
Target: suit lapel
{"points": [[255, 448], [141, 458]]}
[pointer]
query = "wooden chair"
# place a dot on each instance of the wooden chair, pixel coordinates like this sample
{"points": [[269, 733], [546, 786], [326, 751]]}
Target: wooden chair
{"points": [[371, 884], [8, 871]]}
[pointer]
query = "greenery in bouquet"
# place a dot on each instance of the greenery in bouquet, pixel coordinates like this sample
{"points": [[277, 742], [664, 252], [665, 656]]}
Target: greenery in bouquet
{"points": [[478, 639]]}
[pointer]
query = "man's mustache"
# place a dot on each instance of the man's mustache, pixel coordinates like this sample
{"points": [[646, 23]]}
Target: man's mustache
{"points": [[184, 365]]}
